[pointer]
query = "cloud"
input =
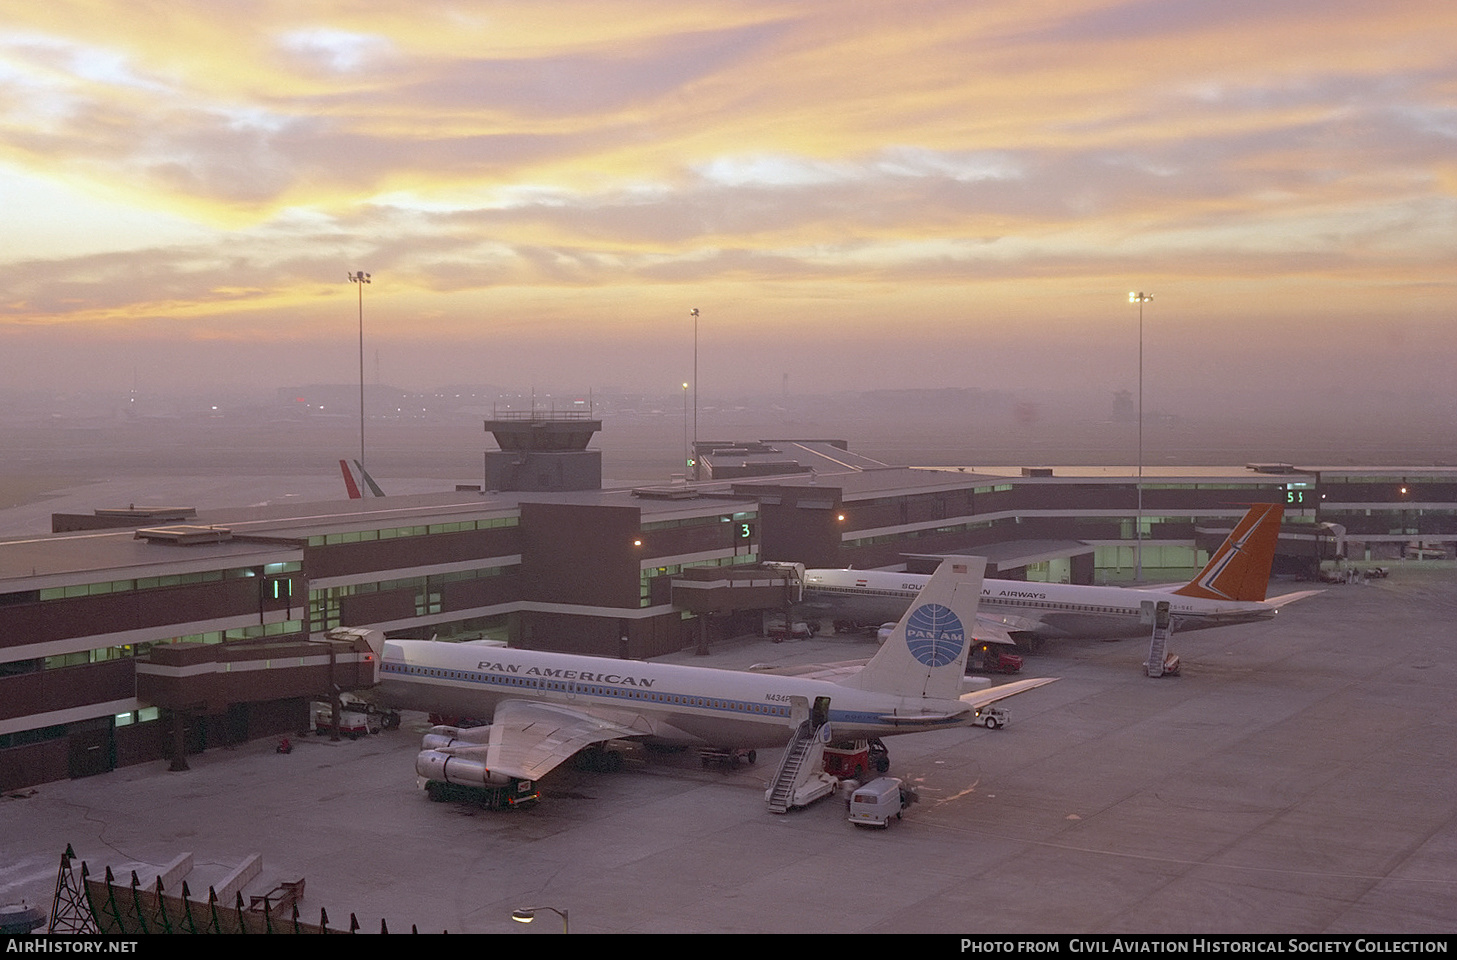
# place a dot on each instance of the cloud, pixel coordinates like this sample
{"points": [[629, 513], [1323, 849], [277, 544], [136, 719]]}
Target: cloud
{"points": [[331, 50], [215, 168]]}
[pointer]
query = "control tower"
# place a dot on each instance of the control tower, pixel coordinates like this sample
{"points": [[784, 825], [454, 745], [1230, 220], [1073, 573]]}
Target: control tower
{"points": [[543, 451]]}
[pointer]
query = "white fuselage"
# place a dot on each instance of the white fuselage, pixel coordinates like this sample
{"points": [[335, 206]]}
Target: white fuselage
{"points": [[666, 702], [1032, 609]]}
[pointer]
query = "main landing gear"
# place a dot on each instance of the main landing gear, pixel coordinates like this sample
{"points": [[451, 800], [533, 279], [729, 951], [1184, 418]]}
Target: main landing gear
{"points": [[727, 757]]}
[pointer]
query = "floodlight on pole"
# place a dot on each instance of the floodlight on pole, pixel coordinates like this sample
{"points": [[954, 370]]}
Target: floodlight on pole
{"points": [[694, 314], [1139, 298], [360, 278]]}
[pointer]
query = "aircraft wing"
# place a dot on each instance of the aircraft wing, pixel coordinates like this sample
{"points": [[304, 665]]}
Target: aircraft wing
{"points": [[980, 698], [1005, 625], [529, 739], [989, 631]]}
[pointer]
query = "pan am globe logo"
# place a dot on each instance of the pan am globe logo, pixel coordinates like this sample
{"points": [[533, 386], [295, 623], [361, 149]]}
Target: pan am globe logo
{"points": [[934, 635]]}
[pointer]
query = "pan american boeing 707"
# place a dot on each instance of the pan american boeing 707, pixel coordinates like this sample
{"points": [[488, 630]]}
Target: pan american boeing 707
{"points": [[545, 707]]}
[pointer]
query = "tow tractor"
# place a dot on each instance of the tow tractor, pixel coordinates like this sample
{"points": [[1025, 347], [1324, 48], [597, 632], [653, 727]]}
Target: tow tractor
{"points": [[991, 717]]}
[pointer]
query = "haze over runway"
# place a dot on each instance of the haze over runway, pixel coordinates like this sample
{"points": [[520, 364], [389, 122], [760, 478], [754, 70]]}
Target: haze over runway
{"points": [[925, 193]]}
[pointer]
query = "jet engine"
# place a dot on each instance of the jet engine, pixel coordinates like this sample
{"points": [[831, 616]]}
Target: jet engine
{"points": [[457, 755], [467, 770], [444, 737]]}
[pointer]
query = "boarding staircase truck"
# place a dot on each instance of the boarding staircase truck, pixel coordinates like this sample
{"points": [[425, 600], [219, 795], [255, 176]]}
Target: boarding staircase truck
{"points": [[801, 778]]}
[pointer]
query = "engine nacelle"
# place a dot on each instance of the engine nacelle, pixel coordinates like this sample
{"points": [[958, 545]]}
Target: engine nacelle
{"points": [[444, 738], [468, 734], [473, 750], [469, 771]]}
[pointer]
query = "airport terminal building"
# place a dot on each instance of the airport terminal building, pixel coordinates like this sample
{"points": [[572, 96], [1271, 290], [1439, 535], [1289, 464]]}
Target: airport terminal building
{"points": [[148, 632]]}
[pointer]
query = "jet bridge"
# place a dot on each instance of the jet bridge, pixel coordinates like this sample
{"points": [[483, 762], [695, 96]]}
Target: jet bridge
{"points": [[767, 586]]}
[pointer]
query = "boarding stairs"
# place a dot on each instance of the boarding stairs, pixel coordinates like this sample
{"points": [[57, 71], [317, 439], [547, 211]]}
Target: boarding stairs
{"points": [[1159, 662], [801, 778]]}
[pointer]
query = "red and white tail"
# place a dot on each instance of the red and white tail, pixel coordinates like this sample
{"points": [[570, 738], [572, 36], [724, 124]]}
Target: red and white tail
{"points": [[1240, 568], [360, 482]]}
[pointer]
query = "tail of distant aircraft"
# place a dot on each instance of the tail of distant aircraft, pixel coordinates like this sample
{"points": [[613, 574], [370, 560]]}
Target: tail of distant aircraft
{"points": [[357, 484], [1240, 568], [925, 655]]}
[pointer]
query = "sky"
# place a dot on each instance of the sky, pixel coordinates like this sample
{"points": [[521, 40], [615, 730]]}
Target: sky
{"points": [[926, 193]]}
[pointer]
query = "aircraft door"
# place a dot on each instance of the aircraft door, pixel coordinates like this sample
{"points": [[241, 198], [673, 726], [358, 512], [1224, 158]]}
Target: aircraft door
{"points": [[1161, 615], [799, 712]]}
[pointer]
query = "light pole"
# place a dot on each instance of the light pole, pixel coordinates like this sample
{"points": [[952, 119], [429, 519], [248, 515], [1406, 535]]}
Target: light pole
{"points": [[687, 456], [528, 914], [694, 313], [361, 278], [1139, 298]]}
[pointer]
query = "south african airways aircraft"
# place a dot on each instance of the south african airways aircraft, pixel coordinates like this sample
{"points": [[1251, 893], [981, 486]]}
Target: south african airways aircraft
{"points": [[545, 707], [1229, 590]]}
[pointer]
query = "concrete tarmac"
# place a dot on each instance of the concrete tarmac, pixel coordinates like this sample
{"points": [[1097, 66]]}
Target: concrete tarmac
{"points": [[1299, 777]]}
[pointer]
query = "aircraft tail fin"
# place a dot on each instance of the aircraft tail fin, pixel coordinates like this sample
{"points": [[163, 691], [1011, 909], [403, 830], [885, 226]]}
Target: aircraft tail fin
{"points": [[349, 485], [374, 489], [1240, 568], [925, 655], [357, 480]]}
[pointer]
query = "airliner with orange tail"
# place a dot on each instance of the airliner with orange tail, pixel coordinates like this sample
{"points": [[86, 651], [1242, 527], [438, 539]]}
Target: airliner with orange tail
{"points": [[1229, 590]]}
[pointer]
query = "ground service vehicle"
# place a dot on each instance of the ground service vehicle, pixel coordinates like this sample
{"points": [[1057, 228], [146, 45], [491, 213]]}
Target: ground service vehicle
{"points": [[878, 802], [993, 659], [992, 717], [855, 759], [776, 629], [355, 720], [517, 793]]}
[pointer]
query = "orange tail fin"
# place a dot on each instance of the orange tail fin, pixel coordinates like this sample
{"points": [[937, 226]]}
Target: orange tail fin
{"points": [[1240, 568]]}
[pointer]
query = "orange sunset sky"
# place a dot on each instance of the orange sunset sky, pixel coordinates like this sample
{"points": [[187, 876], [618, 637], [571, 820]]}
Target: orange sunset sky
{"points": [[880, 194]]}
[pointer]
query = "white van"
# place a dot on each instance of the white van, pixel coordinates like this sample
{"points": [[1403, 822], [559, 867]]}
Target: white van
{"points": [[878, 802]]}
